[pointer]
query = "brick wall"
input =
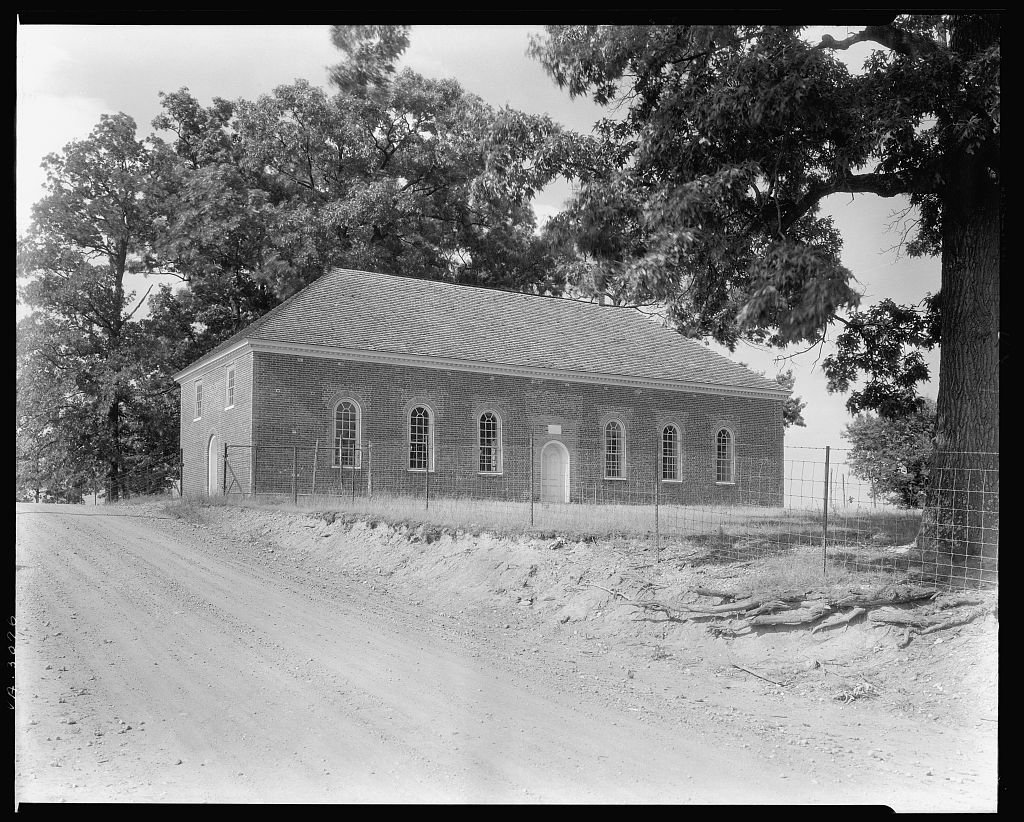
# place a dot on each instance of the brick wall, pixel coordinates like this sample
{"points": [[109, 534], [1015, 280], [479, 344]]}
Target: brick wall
{"points": [[226, 426], [295, 398]]}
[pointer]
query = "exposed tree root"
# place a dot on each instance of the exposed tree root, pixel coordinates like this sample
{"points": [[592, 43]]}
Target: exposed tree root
{"points": [[839, 619], [792, 608]]}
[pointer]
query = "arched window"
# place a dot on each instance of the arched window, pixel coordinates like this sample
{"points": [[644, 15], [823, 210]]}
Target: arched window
{"points": [[347, 446], [421, 440], [614, 450], [725, 456], [489, 430], [670, 453]]}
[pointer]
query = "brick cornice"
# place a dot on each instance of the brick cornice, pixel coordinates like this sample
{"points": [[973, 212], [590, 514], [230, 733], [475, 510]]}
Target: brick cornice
{"points": [[446, 364]]}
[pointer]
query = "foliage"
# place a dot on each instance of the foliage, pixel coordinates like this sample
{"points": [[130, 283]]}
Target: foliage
{"points": [[792, 408], [84, 366], [245, 202], [703, 189], [882, 342], [388, 174], [893, 454]]}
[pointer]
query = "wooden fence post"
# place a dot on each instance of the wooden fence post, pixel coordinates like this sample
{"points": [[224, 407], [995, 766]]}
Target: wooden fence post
{"points": [[532, 471], [295, 465], [224, 479], [369, 470], [657, 492], [824, 519], [316, 450]]}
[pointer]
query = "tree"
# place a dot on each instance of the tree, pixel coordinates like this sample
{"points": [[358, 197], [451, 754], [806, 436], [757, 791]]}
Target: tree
{"points": [[81, 361], [708, 189], [793, 407], [388, 174], [893, 454]]}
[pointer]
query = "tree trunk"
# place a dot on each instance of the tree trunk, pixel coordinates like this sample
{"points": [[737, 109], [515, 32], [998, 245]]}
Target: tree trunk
{"points": [[114, 460], [961, 523]]}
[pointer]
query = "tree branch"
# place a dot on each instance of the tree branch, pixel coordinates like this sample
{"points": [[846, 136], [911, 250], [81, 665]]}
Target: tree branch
{"points": [[922, 181], [895, 39]]}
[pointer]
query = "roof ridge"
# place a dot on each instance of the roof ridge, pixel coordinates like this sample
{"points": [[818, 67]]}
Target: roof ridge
{"points": [[559, 297]]}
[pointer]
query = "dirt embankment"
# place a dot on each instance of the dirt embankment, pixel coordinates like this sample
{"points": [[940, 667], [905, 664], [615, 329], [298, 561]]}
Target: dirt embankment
{"points": [[235, 654]]}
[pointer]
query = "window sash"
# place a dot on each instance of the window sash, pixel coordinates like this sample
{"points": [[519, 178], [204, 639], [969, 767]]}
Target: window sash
{"points": [[420, 436], [670, 453], [724, 456], [199, 400], [347, 450], [613, 450], [490, 444], [230, 390]]}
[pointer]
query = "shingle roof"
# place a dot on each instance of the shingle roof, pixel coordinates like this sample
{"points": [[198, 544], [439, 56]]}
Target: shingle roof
{"points": [[402, 315]]}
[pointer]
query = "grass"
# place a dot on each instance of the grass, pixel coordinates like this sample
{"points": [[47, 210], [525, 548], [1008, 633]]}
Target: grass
{"points": [[782, 548], [712, 535]]}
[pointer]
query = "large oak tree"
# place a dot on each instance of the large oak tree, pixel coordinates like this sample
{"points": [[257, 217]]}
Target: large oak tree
{"points": [[704, 190]]}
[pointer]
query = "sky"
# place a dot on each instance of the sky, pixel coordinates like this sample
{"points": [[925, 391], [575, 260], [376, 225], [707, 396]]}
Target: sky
{"points": [[68, 75]]}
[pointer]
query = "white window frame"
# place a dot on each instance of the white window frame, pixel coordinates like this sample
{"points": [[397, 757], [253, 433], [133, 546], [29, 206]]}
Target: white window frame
{"points": [[677, 456], [198, 401], [622, 452], [336, 461], [229, 387], [499, 465], [731, 456], [431, 425]]}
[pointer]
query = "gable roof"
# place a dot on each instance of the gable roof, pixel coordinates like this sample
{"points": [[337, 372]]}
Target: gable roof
{"points": [[407, 317]]}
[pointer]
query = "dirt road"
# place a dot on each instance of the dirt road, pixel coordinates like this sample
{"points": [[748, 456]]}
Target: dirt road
{"points": [[163, 660]]}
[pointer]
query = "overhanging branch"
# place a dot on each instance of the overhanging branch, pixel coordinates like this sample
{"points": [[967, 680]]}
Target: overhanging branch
{"points": [[922, 181], [893, 38]]}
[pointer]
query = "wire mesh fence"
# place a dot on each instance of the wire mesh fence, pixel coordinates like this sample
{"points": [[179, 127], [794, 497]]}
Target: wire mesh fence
{"points": [[707, 506]]}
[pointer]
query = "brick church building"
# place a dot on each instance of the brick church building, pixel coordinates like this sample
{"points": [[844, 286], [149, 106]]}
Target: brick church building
{"points": [[492, 393]]}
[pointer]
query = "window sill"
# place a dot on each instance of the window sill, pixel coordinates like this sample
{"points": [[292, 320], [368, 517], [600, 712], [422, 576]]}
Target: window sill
{"points": [[349, 467], [725, 483], [672, 482], [196, 419], [616, 479], [229, 407], [421, 470], [490, 473]]}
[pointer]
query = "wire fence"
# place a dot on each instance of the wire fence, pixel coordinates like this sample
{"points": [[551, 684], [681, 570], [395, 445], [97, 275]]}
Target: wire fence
{"points": [[99, 486], [710, 506]]}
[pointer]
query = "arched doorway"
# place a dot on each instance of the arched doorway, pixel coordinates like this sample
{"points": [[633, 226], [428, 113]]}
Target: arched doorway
{"points": [[554, 472], [212, 486]]}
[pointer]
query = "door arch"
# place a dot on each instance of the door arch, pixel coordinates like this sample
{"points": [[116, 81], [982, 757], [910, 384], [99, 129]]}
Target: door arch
{"points": [[212, 486], [554, 472]]}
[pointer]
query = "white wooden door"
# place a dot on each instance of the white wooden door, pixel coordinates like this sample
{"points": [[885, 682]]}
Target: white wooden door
{"points": [[554, 473], [212, 486]]}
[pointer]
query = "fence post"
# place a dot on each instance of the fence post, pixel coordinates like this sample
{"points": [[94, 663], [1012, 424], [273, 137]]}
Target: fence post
{"points": [[252, 479], [426, 485], [657, 492], [181, 475], [369, 470], [824, 519], [295, 465], [316, 449], [353, 483], [224, 479], [531, 480]]}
